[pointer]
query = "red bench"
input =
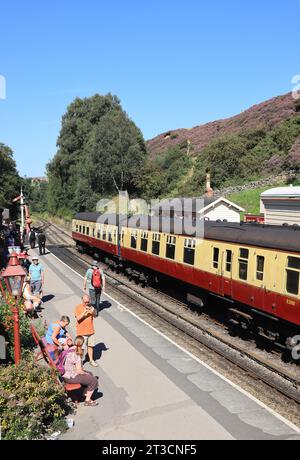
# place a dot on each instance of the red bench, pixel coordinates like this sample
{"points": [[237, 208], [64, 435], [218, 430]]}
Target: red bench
{"points": [[70, 388]]}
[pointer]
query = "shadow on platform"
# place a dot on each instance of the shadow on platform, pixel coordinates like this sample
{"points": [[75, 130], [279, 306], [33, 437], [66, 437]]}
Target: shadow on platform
{"points": [[104, 306]]}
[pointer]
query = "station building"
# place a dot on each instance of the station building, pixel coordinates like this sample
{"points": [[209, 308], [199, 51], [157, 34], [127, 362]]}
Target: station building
{"points": [[281, 206], [209, 208]]}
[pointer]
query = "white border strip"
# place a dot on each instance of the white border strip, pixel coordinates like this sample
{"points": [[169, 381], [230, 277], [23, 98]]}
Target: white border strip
{"points": [[241, 390]]}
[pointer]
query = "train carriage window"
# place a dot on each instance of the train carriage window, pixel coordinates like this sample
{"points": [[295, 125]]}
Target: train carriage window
{"points": [[243, 264], [99, 235], [77, 228], [216, 257], [189, 251], [88, 231], [171, 247], [80, 229], [156, 244], [110, 238], [134, 239], [228, 261], [83, 230], [260, 268], [94, 230], [123, 236], [104, 234], [144, 242], [293, 275]]}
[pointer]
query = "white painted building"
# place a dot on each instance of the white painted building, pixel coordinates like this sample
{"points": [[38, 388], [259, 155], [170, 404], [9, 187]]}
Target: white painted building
{"points": [[281, 206], [211, 209]]}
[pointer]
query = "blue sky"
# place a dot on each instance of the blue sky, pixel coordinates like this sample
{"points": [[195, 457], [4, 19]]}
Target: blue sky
{"points": [[173, 63]]}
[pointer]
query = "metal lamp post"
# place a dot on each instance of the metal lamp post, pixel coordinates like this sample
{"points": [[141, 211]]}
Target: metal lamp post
{"points": [[14, 276]]}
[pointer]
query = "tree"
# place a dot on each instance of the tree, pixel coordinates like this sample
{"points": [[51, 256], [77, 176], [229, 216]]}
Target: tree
{"points": [[10, 181], [100, 151]]}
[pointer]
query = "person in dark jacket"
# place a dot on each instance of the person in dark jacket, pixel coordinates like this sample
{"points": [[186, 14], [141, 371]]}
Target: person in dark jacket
{"points": [[42, 243]]}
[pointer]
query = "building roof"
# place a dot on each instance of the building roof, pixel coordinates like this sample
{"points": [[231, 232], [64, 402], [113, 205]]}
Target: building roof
{"points": [[282, 192], [195, 205]]}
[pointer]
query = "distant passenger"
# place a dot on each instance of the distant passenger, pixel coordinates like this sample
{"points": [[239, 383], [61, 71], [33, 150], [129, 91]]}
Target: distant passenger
{"points": [[36, 272], [94, 281], [42, 243], [32, 239]]}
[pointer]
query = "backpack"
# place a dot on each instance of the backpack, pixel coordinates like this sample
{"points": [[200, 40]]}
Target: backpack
{"points": [[97, 279], [60, 365]]}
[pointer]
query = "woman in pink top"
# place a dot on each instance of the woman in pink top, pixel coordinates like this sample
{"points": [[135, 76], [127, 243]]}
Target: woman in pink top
{"points": [[74, 372]]}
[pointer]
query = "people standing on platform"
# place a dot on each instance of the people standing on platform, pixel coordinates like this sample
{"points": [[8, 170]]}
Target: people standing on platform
{"points": [[74, 372], [94, 281], [37, 279], [32, 238], [42, 243], [85, 314]]}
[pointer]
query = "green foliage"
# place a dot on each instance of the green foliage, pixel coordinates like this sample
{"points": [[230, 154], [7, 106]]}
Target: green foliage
{"points": [[240, 158], [9, 179], [161, 177], [32, 403], [36, 195], [100, 150]]}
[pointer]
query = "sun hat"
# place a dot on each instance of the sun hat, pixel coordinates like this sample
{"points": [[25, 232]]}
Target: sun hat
{"points": [[95, 263]]}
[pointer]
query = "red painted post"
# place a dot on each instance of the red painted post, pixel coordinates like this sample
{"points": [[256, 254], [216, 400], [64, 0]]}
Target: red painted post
{"points": [[17, 338]]}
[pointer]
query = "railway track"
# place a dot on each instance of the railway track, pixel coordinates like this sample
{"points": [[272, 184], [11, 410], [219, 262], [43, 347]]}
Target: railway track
{"points": [[198, 331]]}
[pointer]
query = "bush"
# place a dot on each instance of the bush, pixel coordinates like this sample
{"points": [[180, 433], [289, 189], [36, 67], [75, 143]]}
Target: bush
{"points": [[32, 404]]}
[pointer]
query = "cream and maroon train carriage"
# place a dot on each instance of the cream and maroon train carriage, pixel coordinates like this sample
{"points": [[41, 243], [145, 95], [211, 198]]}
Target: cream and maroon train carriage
{"points": [[256, 268]]}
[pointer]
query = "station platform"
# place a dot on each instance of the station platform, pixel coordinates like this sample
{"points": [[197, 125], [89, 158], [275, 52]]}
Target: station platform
{"points": [[152, 389]]}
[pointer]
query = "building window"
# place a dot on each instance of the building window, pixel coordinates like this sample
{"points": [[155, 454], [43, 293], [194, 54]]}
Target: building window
{"points": [[216, 257], [229, 261], [156, 244], [134, 239], [144, 242], [293, 275], [243, 264], [260, 268], [171, 247], [189, 252]]}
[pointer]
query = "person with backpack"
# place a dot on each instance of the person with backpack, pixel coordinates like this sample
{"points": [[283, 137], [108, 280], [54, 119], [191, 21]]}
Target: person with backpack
{"points": [[71, 369], [94, 281]]}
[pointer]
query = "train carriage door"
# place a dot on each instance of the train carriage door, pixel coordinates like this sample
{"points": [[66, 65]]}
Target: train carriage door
{"points": [[226, 273]]}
